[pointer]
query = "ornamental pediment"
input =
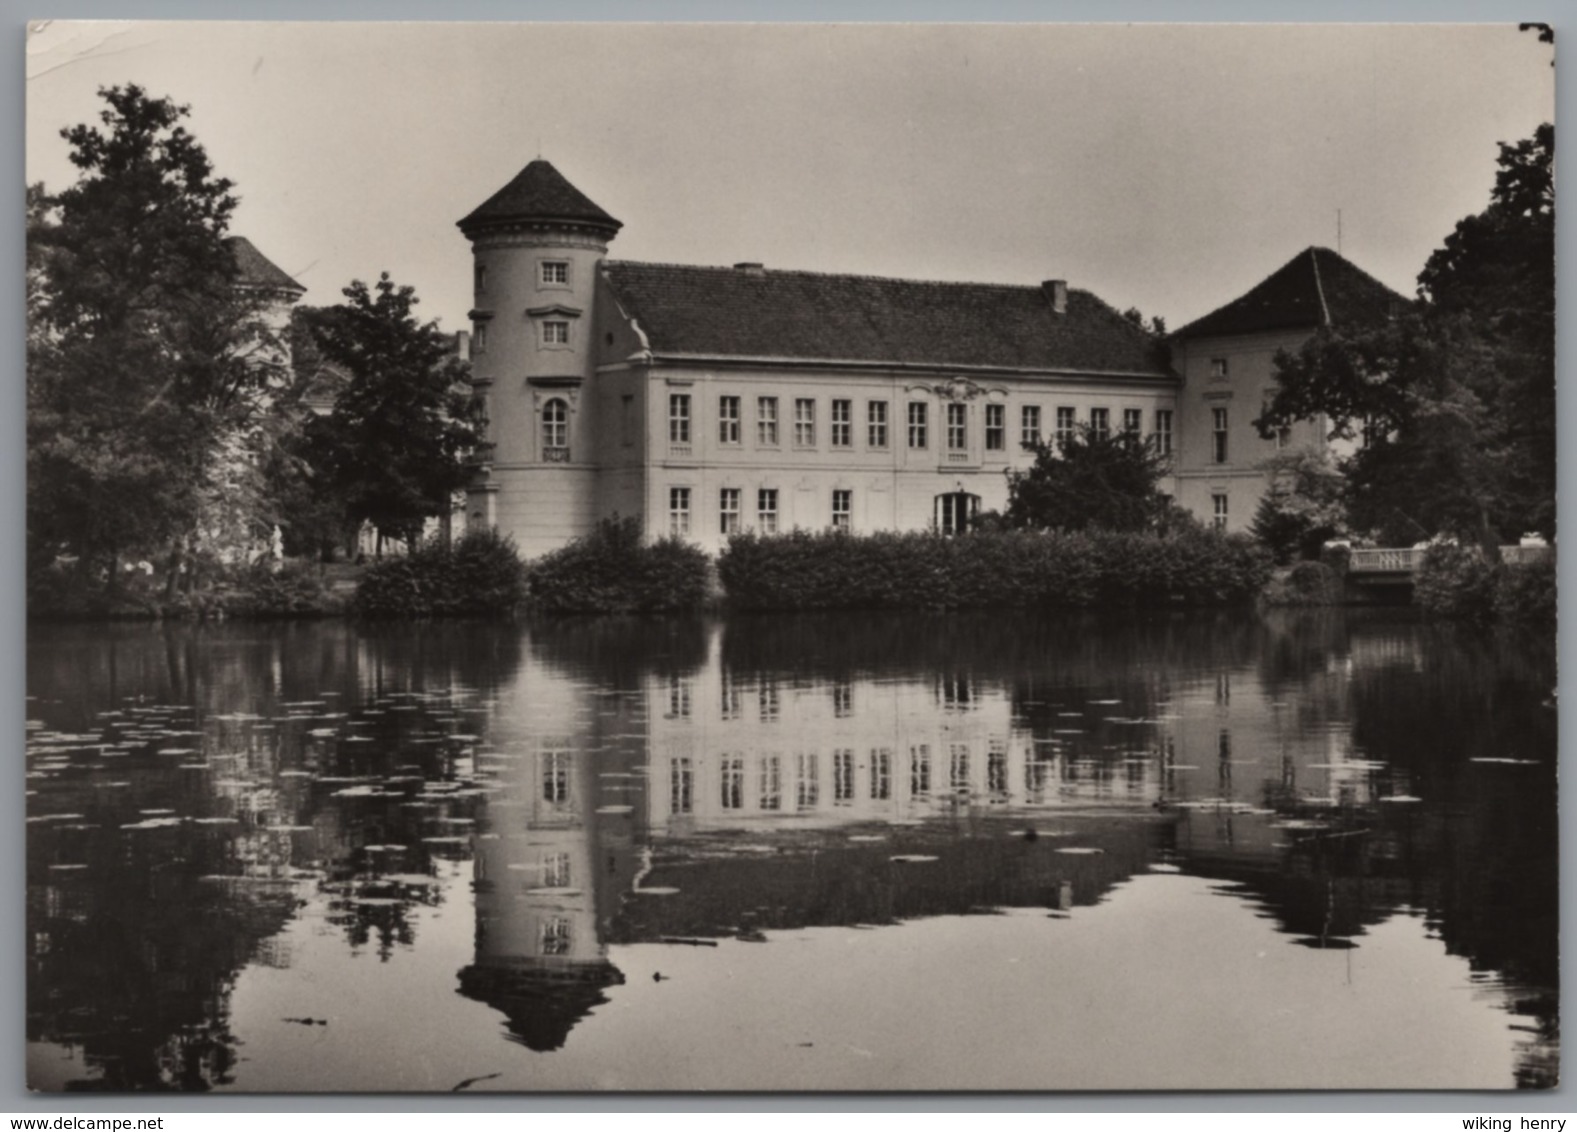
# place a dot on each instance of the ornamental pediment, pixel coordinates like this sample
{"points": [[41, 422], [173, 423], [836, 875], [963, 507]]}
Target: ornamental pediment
{"points": [[956, 389]]}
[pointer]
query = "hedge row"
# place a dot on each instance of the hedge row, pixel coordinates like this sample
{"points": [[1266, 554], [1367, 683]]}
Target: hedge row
{"points": [[1013, 569], [480, 575], [609, 571]]}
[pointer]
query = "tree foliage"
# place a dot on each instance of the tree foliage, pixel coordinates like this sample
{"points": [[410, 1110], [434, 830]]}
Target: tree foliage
{"points": [[395, 448], [1454, 401], [1088, 482], [1302, 507], [142, 352]]}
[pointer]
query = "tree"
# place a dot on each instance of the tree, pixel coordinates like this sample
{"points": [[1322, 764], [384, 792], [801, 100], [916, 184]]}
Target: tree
{"points": [[1302, 507], [1454, 401], [142, 353], [396, 447], [1089, 482]]}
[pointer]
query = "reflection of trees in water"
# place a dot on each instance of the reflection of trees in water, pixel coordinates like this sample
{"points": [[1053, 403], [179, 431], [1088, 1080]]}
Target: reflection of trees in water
{"points": [[618, 652], [135, 946]]}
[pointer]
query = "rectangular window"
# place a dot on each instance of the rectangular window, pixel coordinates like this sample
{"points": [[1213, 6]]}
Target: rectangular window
{"points": [[681, 786], [678, 698], [1029, 426], [767, 510], [842, 510], [728, 510], [555, 777], [804, 422], [678, 510], [957, 433], [842, 424], [997, 770], [807, 787], [1218, 436], [480, 277], [679, 418], [479, 338], [555, 936], [555, 332], [843, 776], [876, 424], [555, 870], [771, 783], [767, 702], [1163, 432], [996, 428], [1218, 518], [881, 774], [555, 271], [1218, 369], [1133, 426], [958, 768], [767, 421], [733, 783], [1101, 423], [917, 437], [728, 420], [920, 771], [842, 700], [1065, 426], [728, 708]]}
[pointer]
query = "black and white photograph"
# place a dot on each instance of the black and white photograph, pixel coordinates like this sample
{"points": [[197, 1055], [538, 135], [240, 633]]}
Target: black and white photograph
{"points": [[790, 558]]}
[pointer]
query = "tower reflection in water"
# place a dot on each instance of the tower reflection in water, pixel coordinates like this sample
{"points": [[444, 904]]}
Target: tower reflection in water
{"points": [[707, 792]]}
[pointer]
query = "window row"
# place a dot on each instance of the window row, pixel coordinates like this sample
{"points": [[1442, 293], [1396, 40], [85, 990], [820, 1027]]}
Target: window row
{"points": [[550, 273], [917, 424], [730, 510]]}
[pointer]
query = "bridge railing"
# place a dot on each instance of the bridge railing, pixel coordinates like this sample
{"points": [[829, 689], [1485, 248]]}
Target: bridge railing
{"points": [[1385, 560]]}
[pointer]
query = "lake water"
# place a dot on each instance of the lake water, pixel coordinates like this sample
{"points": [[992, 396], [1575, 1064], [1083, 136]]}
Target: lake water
{"points": [[897, 852]]}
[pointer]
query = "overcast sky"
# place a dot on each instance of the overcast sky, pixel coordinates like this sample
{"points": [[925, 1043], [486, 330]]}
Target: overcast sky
{"points": [[1164, 167]]}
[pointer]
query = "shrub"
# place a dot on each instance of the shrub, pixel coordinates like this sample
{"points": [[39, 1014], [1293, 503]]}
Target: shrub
{"points": [[1011, 569], [1527, 593], [609, 571], [1455, 581], [481, 575], [295, 590]]}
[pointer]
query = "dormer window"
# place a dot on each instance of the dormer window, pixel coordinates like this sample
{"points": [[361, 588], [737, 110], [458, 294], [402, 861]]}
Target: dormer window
{"points": [[555, 272]]}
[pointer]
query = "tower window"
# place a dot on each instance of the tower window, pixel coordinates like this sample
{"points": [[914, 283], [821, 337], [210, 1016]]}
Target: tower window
{"points": [[479, 274], [1218, 369], [1218, 436], [555, 272], [555, 430], [555, 332]]}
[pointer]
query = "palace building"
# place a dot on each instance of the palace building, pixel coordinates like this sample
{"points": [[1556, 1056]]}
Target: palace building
{"points": [[711, 400]]}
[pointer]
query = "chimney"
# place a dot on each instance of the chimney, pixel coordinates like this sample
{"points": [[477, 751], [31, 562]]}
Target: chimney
{"points": [[750, 268], [1057, 291]]}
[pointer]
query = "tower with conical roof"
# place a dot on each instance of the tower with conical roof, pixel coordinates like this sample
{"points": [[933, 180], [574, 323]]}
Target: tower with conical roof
{"points": [[536, 245]]}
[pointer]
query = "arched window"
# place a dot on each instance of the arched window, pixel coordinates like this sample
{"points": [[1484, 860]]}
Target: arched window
{"points": [[955, 511], [555, 430]]}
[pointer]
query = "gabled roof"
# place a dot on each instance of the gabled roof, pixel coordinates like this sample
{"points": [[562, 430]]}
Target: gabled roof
{"points": [[750, 312], [538, 192], [1317, 287], [254, 269]]}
